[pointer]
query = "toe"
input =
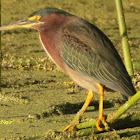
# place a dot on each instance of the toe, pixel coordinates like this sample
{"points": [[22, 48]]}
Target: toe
{"points": [[98, 126], [66, 128]]}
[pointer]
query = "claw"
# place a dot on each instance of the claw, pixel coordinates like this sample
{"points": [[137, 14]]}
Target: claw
{"points": [[68, 126], [103, 122], [98, 123]]}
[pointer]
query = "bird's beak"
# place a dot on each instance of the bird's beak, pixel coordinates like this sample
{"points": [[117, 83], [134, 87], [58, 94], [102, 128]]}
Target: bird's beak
{"points": [[21, 24]]}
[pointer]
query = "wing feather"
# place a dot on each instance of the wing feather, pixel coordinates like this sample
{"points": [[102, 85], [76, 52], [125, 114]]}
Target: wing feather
{"points": [[82, 58], [92, 54]]}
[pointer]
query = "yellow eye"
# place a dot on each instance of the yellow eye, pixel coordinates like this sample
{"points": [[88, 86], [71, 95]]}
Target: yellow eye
{"points": [[36, 17]]}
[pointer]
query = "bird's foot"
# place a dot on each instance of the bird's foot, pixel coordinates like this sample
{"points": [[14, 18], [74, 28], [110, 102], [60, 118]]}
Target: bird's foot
{"points": [[103, 122], [73, 124], [79, 114]]}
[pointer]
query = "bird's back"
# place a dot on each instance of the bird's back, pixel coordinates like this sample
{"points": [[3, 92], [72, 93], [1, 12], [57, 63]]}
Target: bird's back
{"points": [[94, 55]]}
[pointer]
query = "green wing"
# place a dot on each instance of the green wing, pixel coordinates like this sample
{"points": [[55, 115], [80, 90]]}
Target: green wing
{"points": [[84, 59], [87, 50]]}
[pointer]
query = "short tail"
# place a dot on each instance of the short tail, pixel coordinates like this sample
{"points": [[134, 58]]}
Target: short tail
{"points": [[127, 89]]}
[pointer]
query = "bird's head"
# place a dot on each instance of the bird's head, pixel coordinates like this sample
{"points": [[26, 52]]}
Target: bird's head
{"points": [[36, 19]]}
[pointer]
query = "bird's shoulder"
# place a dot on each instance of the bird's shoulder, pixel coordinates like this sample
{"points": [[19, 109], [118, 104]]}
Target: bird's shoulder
{"points": [[84, 37]]}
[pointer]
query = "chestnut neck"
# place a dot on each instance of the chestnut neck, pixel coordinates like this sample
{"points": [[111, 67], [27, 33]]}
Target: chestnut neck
{"points": [[51, 36]]}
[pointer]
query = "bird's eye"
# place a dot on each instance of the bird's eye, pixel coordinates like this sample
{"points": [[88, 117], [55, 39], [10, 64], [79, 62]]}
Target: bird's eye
{"points": [[36, 17]]}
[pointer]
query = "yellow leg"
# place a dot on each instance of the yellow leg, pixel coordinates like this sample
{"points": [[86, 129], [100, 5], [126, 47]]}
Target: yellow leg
{"points": [[80, 112], [101, 118]]}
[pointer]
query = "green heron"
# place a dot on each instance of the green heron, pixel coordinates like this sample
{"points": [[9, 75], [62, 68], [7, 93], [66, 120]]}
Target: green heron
{"points": [[82, 51]]}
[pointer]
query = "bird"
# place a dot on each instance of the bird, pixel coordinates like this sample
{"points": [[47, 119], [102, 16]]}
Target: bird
{"points": [[82, 51]]}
